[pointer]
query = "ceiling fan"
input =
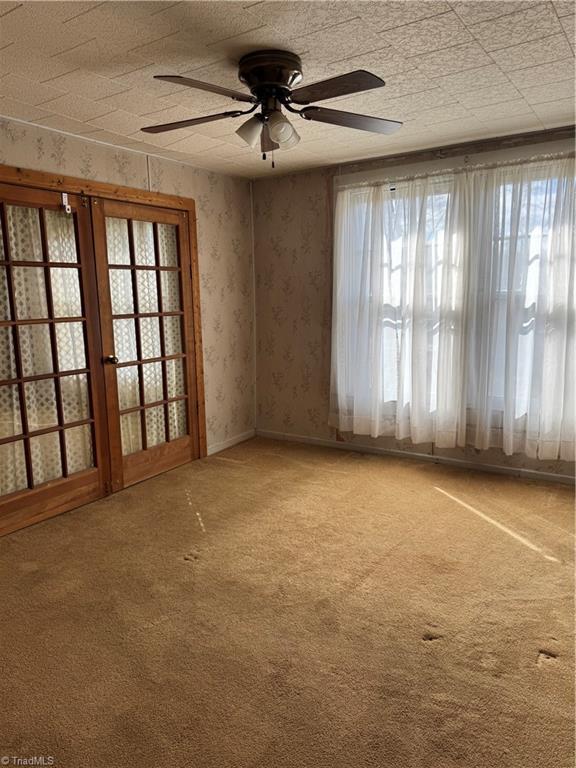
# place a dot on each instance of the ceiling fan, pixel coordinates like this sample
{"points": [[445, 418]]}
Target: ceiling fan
{"points": [[271, 76]]}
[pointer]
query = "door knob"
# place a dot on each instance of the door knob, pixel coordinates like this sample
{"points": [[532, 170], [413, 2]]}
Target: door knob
{"points": [[111, 359]]}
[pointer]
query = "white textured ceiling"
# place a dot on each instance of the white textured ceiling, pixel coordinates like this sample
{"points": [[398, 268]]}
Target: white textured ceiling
{"points": [[454, 71]]}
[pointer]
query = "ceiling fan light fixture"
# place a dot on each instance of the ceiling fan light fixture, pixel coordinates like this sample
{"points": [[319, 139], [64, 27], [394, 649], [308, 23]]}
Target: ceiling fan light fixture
{"points": [[281, 129], [250, 131], [292, 141]]}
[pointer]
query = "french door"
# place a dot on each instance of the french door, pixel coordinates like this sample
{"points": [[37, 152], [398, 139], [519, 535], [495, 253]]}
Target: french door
{"points": [[145, 292], [98, 383], [52, 429]]}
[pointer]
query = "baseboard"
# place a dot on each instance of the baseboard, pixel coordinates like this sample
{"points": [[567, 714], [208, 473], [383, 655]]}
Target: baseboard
{"points": [[217, 447], [533, 474]]}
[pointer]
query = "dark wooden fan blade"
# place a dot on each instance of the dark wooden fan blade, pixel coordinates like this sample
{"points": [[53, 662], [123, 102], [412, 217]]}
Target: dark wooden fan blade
{"points": [[187, 123], [266, 143], [188, 82], [353, 82], [350, 120]]}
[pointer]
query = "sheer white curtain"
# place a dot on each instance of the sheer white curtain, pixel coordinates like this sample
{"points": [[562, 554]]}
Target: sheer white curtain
{"points": [[453, 314]]}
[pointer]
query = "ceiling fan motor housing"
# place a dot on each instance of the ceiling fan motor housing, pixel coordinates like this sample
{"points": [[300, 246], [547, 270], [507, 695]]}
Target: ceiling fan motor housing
{"points": [[270, 74]]}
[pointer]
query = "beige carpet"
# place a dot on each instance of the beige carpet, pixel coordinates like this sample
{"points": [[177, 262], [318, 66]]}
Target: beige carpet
{"points": [[308, 608]]}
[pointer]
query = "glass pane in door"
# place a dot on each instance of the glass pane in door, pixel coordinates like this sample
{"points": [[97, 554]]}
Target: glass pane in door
{"points": [[145, 290], [41, 337]]}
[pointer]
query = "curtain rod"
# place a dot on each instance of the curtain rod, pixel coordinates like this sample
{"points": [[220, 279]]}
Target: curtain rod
{"points": [[533, 160]]}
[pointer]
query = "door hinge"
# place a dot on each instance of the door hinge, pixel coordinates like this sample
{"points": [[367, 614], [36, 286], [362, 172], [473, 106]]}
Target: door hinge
{"points": [[84, 201]]}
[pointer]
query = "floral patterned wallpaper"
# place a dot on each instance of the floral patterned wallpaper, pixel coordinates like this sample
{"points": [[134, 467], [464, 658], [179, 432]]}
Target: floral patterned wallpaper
{"points": [[223, 206], [293, 260]]}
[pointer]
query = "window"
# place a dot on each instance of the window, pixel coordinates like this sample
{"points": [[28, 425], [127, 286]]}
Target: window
{"points": [[454, 310]]}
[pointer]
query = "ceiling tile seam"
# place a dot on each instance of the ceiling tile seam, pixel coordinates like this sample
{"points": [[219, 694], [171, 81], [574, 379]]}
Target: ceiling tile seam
{"points": [[331, 26], [163, 10], [445, 48], [492, 18], [72, 48], [418, 21], [83, 13], [422, 18], [506, 47], [358, 55], [49, 79], [509, 47], [151, 42], [11, 10]]}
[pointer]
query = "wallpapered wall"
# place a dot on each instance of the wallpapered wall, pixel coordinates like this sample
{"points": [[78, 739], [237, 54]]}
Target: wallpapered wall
{"points": [[224, 245], [293, 261]]}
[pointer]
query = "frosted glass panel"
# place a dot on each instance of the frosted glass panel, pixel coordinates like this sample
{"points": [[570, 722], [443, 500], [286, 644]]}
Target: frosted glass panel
{"points": [[128, 388], [66, 292], [125, 340], [117, 241], [13, 475], [175, 375], [46, 462], [150, 337], [7, 363], [35, 349], [147, 290], [75, 404], [24, 233], [177, 419], [170, 291], [167, 245], [131, 433], [30, 293], [152, 382], [143, 242], [155, 429], [79, 448], [10, 421], [70, 344], [5, 313], [60, 236], [41, 404], [172, 335], [121, 292]]}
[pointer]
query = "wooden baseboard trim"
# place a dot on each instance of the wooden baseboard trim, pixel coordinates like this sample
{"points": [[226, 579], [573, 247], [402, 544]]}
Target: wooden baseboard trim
{"points": [[221, 446], [531, 474]]}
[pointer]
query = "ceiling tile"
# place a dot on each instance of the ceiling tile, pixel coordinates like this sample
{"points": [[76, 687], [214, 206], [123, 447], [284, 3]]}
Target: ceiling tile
{"points": [[348, 39], [456, 59], [118, 122], [7, 7], [28, 91], [536, 22], [532, 53], [316, 15], [88, 84], [564, 7], [428, 35], [472, 79], [444, 114], [505, 109], [552, 72], [209, 22], [195, 143], [563, 108], [492, 94], [139, 102], [472, 12], [382, 16], [76, 107], [16, 58], [384, 62], [540, 94]]}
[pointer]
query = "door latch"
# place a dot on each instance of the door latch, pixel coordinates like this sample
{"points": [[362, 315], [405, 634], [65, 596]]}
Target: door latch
{"points": [[65, 204]]}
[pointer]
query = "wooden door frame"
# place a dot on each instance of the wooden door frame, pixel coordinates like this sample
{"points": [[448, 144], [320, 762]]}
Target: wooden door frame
{"points": [[83, 188]]}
